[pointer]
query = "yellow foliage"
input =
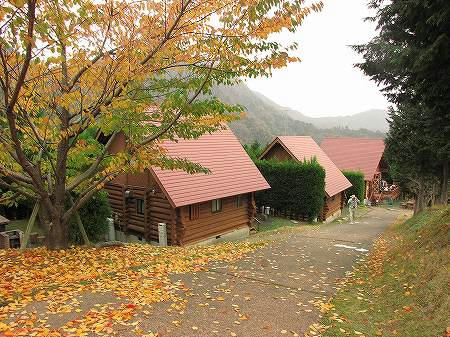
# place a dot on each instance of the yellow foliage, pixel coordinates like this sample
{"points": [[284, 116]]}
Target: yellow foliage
{"points": [[87, 68]]}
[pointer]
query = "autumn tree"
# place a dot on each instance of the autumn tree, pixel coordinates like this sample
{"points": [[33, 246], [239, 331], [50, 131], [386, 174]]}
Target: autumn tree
{"points": [[410, 58], [71, 70]]}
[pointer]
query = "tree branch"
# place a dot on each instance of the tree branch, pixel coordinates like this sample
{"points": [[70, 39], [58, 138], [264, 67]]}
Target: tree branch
{"points": [[15, 176], [178, 115], [26, 63], [86, 195], [22, 159], [80, 73], [16, 189], [92, 170]]}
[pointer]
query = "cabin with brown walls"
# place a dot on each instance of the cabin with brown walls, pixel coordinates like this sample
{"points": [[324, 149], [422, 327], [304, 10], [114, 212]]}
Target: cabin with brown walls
{"points": [[333, 206], [299, 148], [367, 156], [138, 205], [195, 207]]}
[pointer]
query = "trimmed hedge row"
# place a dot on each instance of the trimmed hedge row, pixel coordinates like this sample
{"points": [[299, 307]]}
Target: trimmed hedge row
{"points": [[296, 187], [357, 180]]}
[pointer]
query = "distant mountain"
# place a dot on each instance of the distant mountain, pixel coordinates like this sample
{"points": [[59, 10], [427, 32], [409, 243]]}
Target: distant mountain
{"points": [[265, 119], [374, 120]]}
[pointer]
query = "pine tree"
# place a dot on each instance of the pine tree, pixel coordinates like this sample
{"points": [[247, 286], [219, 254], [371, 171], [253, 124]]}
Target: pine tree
{"points": [[410, 58]]}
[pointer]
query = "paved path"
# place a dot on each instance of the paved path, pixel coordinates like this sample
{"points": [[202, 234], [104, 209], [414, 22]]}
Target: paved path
{"points": [[271, 292]]}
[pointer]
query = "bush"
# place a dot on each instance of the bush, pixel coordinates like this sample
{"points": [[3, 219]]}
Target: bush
{"points": [[254, 150], [357, 180], [93, 215], [17, 208], [296, 187]]}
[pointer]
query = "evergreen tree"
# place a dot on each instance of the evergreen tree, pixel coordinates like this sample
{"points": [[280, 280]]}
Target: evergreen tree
{"points": [[411, 163], [410, 58]]}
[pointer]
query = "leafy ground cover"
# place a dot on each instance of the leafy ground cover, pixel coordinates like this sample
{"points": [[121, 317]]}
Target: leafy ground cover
{"points": [[137, 274], [402, 289]]}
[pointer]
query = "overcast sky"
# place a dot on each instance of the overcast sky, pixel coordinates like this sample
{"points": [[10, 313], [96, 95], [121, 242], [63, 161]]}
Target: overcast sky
{"points": [[325, 83]]}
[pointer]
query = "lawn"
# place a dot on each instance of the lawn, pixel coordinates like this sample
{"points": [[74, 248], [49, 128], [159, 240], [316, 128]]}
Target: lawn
{"points": [[402, 289], [22, 225], [277, 223]]}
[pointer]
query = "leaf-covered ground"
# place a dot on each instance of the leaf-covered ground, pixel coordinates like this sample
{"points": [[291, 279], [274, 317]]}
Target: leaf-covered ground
{"points": [[246, 289], [137, 274], [402, 289]]}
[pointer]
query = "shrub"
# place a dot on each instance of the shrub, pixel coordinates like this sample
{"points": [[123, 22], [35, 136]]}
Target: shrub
{"points": [[18, 207], [93, 215], [254, 150], [357, 180], [296, 187]]}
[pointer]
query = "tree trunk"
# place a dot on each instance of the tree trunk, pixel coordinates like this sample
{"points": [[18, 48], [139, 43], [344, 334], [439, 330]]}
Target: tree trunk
{"points": [[433, 194], [58, 235], [420, 198], [56, 231], [444, 184]]}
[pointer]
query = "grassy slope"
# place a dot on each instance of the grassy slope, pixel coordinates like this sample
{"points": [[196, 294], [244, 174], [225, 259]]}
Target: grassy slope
{"points": [[276, 223], [403, 288], [22, 225]]}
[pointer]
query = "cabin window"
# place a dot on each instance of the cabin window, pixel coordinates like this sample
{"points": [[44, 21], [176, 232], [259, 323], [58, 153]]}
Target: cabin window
{"points": [[194, 211], [216, 205], [140, 206], [239, 200]]}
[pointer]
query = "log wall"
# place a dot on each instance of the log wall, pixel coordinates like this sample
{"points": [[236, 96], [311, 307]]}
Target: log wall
{"points": [[211, 224], [332, 205], [156, 209], [160, 210], [278, 152], [180, 228]]}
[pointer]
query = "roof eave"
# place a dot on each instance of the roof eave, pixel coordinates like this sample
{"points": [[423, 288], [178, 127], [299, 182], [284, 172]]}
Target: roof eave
{"points": [[158, 181], [224, 196]]}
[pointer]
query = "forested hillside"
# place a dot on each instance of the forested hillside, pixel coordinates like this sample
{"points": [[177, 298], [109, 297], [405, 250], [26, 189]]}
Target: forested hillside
{"points": [[265, 119]]}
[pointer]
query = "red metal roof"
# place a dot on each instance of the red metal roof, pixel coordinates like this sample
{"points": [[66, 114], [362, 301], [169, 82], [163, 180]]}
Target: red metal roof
{"points": [[356, 154], [304, 147], [232, 170]]}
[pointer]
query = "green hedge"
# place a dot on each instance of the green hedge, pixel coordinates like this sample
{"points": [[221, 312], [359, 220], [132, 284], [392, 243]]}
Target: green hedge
{"points": [[93, 215], [297, 188], [357, 180]]}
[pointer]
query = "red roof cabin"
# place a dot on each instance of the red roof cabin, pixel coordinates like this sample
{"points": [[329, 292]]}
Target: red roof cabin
{"points": [[359, 154], [300, 148], [195, 207]]}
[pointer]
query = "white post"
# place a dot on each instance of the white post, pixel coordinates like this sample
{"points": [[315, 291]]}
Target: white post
{"points": [[162, 232], [112, 231]]}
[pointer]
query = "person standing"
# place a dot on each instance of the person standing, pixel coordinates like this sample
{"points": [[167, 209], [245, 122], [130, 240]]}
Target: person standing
{"points": [[352, 205]]}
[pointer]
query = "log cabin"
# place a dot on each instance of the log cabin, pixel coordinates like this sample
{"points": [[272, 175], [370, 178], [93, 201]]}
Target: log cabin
{"points": [[195, 207], [360, 154], [299, 148]]}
